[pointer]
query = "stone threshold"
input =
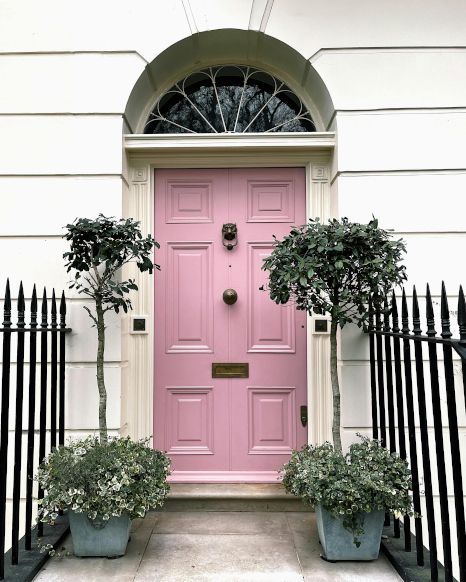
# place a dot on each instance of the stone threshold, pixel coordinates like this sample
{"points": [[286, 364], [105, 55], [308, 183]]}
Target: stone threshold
{"points": [[232, 497]]}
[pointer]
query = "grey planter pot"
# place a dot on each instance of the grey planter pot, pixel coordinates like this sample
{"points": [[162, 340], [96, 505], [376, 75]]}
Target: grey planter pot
{"points": [[97, 538], [337, 542]]}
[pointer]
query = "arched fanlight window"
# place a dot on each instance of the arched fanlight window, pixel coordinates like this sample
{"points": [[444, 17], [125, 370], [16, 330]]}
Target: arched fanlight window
{"points": [[229, 99]]}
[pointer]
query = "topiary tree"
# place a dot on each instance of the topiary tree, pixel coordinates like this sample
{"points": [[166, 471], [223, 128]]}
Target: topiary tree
{"points": [[98, 250], [335, 269]]}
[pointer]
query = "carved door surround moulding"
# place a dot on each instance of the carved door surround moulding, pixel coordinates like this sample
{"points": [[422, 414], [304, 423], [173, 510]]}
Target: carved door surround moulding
{"points": [[143, 156]]}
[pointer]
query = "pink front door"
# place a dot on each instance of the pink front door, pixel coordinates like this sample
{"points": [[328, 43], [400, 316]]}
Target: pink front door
{"points": [[226, 429]]}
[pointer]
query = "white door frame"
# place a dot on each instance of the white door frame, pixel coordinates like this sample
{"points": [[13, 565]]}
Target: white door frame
{"points": [[144, 153]]}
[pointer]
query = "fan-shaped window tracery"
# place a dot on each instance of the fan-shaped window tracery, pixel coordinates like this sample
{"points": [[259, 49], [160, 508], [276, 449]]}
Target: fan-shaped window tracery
{"points": [[229, 99]]}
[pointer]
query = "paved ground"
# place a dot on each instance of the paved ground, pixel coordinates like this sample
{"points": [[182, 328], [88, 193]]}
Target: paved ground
{"points": [[221, 547]]}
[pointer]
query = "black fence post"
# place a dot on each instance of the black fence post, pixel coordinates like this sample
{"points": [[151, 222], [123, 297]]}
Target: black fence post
{"points": [[454, 437], [53, 374], [400, 415], [389, 377], [31, 419], [411, 429], [389, 381], [462, 330], [375, 430], [439, 443], [61, 409], [380, 379], [421, 398], [18, 428], [4, 420], [43, 396]]}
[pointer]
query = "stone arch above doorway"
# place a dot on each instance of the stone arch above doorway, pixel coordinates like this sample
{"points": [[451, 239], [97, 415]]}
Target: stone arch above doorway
{"points": [[223, 47]]}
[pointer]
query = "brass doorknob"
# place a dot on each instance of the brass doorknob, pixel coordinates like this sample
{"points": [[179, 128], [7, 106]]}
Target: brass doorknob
{"points": [[230, 296]]}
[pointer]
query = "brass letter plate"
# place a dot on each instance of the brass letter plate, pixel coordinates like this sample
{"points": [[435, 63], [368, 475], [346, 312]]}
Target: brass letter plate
{"points": [[230, 370]]}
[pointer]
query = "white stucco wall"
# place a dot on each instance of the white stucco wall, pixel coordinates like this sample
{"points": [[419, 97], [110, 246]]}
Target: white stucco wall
{"points": [[395, 74]]}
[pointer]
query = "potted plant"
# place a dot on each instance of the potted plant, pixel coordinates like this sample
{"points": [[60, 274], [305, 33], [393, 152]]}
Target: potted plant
{"points": [[103, 482], [351, 494], [103, 485], [336, 269]]}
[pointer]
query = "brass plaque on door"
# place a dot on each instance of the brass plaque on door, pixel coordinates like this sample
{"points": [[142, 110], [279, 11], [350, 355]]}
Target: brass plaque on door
{"points": [[223, 370]]}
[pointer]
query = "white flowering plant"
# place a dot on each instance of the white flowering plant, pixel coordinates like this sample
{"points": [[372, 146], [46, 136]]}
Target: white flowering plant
{"points": [[368, 478], [103, 479]]}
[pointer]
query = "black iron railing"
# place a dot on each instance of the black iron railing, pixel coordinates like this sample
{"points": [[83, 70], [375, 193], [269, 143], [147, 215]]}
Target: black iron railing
{"points": [[51, 397], [400, 389]]}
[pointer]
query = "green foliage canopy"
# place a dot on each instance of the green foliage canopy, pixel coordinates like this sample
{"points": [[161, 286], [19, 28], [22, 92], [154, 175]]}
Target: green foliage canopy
{"points": [[98, 249], [335, 268]]}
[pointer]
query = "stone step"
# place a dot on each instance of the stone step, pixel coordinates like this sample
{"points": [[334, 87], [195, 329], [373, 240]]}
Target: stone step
{"points": [[232, 497]]}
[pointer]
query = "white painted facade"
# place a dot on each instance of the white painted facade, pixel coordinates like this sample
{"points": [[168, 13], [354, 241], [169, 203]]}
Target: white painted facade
{"points": [[385, 82]]}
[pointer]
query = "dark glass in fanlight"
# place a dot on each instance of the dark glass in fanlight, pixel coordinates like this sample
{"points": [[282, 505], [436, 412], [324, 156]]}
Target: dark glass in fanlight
{"points": [[264, 104]]}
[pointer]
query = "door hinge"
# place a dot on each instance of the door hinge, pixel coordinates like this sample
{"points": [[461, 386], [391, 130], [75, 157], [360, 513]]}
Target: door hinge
{"points": [[304, 415]]}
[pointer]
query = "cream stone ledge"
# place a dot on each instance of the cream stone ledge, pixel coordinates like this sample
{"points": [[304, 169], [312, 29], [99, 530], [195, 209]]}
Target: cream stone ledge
{"points": [[250, 141]]}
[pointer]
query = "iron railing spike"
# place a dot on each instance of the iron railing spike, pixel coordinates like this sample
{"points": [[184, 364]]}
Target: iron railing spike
{"points": [[396, 324], [386, 315], [462, 314], [34, 298], [44, 308], [430, 313], [445, 314], [63, 304], [7, 302], [416, 313], [404, 313], [444, 302], [21, 302]]}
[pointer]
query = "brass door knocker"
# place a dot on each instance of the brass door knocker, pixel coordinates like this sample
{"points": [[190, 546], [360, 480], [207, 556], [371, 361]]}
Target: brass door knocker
{"points": [[229, 235]]}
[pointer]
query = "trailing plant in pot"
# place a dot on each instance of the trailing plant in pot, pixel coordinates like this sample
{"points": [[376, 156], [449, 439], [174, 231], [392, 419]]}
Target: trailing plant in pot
{"points": [[336, 269], [103, 485], [103, 482], [351, 494]]}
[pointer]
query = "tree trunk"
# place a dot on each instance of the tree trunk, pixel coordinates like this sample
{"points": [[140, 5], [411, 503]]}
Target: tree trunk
{"points": [[335, 386], [100, 373]]}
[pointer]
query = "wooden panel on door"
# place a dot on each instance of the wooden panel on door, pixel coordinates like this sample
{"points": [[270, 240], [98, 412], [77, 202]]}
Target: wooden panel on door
{"points": [[271, 327], [189, 307]]}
